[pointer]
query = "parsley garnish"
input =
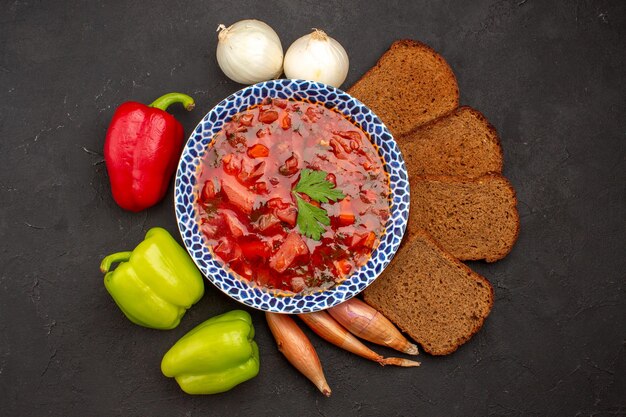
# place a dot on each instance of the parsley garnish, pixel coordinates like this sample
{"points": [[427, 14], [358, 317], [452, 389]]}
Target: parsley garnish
{"points": [[315, 185], [311, 219]]}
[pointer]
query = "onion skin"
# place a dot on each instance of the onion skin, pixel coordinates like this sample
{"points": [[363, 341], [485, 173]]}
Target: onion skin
{"points": [[367, 323], [328, 329], [293, 343]]}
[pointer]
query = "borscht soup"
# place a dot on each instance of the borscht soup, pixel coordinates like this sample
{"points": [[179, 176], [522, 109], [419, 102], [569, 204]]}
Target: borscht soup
{"points": [[292, 196]]}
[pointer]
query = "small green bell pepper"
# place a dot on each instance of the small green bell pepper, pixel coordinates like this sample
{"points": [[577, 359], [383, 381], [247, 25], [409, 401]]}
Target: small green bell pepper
{"points": [[156, 283], [215, 356]]}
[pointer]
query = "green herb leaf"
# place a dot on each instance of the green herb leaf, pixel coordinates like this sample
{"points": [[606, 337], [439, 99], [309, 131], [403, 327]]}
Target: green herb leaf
{"points": [[311, 219], [315, 185]]}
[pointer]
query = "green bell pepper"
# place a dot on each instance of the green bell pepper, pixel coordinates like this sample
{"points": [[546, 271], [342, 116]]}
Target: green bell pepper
{"points": [[215, 356], [156, 283]]}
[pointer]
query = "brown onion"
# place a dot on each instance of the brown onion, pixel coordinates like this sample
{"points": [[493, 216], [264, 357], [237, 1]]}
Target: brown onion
{"points": [[365, 322], [328, 329], [293, 343]]}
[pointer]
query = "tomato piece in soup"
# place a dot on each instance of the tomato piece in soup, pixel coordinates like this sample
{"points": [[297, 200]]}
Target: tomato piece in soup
{"points": [[291, 248]]}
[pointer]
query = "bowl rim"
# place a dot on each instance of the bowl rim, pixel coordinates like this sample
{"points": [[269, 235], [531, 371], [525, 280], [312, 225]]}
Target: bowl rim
{"points": [[242, 290]]}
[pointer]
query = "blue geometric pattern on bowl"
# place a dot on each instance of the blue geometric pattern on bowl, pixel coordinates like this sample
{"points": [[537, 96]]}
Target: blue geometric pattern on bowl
{"points": [[241, 289]]}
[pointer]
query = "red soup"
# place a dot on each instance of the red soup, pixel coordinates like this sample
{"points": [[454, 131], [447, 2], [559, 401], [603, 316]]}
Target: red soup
{"points": [[292, 196]]}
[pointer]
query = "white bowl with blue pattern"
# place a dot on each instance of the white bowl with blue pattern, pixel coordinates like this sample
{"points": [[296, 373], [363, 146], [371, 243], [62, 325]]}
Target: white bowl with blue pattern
{"points": [[241, 289]]}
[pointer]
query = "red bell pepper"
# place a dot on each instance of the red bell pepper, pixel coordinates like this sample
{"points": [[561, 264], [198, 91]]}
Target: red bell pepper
{"points": [[141, 150]]}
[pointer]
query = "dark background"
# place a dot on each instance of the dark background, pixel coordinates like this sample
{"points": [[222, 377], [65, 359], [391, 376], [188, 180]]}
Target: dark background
{"points": [[550, 75]]}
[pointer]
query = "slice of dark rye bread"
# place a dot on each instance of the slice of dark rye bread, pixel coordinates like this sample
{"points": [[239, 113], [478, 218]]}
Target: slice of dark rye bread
{"points": [[410, 85], [433, 297], [461, 143], [470, 218]]}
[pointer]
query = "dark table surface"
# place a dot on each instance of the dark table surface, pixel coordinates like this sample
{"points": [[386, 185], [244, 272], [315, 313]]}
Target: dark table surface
{"points": [[550, 75]]}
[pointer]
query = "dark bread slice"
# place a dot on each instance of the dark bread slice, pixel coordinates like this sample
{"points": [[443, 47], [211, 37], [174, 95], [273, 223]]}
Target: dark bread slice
{"points": [[410, 85], [461, 143], [470, 218], [433, 297]]}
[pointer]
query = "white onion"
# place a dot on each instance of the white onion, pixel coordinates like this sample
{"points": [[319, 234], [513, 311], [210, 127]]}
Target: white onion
{"points": [[249, 52], [317, 57]]}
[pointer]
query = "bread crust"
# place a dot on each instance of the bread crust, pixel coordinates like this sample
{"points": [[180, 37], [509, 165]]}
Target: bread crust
{"points": [[492, 129]]}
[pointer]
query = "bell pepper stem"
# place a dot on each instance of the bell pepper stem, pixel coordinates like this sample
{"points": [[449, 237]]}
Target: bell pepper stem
{"points": [[113, 258], [167, 100]]}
